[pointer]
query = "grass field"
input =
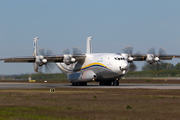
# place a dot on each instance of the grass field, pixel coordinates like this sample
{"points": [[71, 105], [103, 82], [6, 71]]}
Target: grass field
{"points": [[90, 104]]}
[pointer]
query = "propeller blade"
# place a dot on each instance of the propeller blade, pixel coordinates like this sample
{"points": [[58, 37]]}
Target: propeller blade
{"points": [[138, 53], [157, 66], [40, 69], [51, 66], [76, 51], [151, 51], [49, 52], [162, 65], [151, 67], [66, 51], [47, 69], [162, 51], [41, 51], [128, 50], [132, 67]]}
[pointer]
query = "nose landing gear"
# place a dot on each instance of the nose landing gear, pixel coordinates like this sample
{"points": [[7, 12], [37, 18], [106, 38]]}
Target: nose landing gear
{"points": [[116, 82]]}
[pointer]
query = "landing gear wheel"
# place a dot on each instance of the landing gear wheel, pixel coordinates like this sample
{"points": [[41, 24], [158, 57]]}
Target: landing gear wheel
{"points": [[109, 83], [114, 82], [73, 84], [82, 83], [79, 83], [117, 82], [105, 82]]}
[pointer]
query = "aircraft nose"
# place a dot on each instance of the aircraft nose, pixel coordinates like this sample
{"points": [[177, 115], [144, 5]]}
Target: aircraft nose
{"points": [[124, 66]]}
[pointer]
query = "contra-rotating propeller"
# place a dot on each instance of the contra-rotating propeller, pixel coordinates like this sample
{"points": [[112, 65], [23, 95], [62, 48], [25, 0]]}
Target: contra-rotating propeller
{"points": [[153, 62], [69, 57], [128, 55], [45, 67], [75, 51]]}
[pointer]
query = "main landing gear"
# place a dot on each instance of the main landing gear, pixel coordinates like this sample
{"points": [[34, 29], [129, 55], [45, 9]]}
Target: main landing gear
{"points": [[79, 83], [109, 82]]}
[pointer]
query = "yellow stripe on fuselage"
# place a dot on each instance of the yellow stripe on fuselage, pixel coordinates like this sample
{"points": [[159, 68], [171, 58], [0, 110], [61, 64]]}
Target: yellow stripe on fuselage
{"points": [[92, 64]]}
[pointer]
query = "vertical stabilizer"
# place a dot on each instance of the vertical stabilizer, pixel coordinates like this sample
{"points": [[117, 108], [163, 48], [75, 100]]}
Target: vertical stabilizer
{"points": [[35, 46], [89, 45]]}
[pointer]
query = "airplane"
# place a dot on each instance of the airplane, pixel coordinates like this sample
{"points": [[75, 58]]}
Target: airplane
{"points": [[105, 68]]}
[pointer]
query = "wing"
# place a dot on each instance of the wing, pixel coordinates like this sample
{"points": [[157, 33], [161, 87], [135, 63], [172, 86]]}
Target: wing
{"points": [[146, 57], [161, 57], [150, 57], [25, 59], [32, 59]]}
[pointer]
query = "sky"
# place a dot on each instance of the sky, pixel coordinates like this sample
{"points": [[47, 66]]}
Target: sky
{"points": [[61, 24]]}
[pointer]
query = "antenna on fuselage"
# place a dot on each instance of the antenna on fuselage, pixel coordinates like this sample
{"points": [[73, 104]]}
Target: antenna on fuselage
{"points": [[89, 45]]}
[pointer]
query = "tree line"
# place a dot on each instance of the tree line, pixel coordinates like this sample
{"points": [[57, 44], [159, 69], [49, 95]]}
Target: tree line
{"points": [[160, 66]]}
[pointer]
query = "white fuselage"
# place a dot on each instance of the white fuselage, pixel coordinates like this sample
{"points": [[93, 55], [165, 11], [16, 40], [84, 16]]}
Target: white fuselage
{"points": [[101, 66]]}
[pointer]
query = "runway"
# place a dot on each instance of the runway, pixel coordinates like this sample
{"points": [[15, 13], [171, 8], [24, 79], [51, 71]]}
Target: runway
{"points": [[58, 85]]}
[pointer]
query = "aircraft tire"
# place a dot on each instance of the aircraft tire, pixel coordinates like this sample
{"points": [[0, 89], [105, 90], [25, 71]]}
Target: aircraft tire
{"points": [[117, 82], [106, 83], [101, 83], [109, 82], [73, 84], [76, 83], [114, 82], [82, 83]]}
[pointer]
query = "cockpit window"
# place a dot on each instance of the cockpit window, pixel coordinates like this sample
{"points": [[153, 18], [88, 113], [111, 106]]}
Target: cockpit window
{"points": [[116, 58]]}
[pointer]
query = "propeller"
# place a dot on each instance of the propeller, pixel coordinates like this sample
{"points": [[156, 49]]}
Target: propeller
{"points": [[74, 51], [132, 67], [128, 55], [46, 67], [153, 62], [69, 56], [128, 50]]}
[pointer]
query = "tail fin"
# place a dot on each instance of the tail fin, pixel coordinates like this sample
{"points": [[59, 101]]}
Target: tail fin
{"points": [[35, 46], [89, 45]]}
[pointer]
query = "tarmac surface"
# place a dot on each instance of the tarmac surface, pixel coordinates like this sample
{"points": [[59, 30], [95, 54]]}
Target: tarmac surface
{"points": [[7, 85]]}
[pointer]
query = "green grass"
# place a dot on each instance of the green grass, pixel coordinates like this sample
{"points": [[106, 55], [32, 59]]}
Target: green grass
{"points": [[89, 104]]}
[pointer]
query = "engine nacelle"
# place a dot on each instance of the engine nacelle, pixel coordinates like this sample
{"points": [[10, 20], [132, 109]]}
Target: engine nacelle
{"points": [[150, 58], [39, 60], [85, 76], [68, 59]]}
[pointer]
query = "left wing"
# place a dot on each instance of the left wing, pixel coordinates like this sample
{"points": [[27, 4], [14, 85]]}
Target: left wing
{"points": [[32, 59], [147, 57], [150, 57]]}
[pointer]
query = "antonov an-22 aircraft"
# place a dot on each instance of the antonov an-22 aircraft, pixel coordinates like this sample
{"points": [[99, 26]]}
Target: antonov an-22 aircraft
{"points": [[105, 68]]}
